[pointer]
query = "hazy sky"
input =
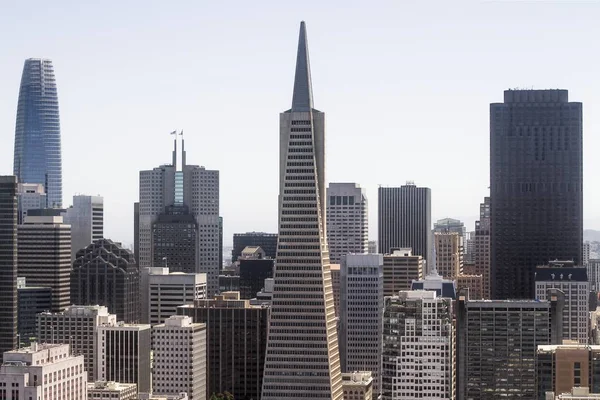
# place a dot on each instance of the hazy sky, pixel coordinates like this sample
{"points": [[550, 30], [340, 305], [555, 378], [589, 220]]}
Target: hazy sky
{"points": [[405, 85]]}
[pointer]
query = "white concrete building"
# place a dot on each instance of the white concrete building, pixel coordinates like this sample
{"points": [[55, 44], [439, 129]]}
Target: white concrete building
{"points": [[573, 282], [123, 354], [577, 393], [77, 326], [43, 372], [593, 272], [30, 196], [586, 254], [358, 385], [86, 217], [102, 390], [347, 220], [179, 347], [361, 309], [418, 341], [163, 291]]}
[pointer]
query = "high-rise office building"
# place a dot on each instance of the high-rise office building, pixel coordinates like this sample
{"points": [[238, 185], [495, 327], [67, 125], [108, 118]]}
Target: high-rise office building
{"points": [[573, 282], [254, 269], [400, 269], [418, 347], [105, 273], [175, 240], [536, 174], [123, 355], [170, 190], [37, 132], [32, 300], [77, 326], [447, 225], [44, 254], [302, 353], [562, 367], [163, 291], [335, 286], [404, 217], [32, 196], [482, 247], [236, 339], [8, 263], [179, 357], [43, 371], [448, 254], [347, 220], [472, 282], [361, 308], [496, 344], [86, 217], [266, 241], [593, 273], [586, 253]]}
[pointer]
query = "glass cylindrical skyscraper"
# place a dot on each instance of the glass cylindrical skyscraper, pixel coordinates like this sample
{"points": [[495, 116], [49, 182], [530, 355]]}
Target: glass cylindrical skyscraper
{"points": [[37, 133]]}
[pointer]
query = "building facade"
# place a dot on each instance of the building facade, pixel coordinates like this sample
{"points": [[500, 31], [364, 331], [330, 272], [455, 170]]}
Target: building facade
{"points": [[593, 273], [266, 241], [105, 273], [44, 256], [357, 385], [179, 363], [123, 355], [32, 300], [472, 282], [418, 347], [400, 269], [101, 390], [43, 371], [162, 292], [77, 326], [536, 175], [361, 312], [404, 217], [181, 185], [302, 354], [497, 342], [37, 157], [482, 247], [8, 263], [175, 240], [236, 339], [448, 254], [573, 282], [347, 220], [253, 272], [86, 217], [562, 367], [32, 196]]}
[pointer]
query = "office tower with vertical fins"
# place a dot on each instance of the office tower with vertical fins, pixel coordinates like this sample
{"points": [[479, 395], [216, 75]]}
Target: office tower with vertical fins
{"points": [[8, 263], [536, 176], [404, 217], [37, 132], [302, 359]]}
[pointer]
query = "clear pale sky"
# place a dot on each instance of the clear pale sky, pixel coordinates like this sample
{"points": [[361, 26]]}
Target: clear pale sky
{"points": [[405, 85]]}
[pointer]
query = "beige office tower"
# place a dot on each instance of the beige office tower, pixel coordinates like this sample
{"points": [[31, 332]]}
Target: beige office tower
{"points": [[448, 254], [302, 358]]}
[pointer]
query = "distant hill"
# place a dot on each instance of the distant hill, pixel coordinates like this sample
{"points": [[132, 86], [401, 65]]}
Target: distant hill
{"points": [[590, 235]]}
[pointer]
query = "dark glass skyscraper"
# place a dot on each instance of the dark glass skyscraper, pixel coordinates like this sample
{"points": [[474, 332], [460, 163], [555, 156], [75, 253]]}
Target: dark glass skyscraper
{"points": [[8, 263], [37, 133], [536, 174]]}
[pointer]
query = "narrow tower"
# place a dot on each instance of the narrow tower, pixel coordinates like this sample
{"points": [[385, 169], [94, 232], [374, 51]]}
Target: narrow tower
{"points": [[37, 132], [302, 359]]}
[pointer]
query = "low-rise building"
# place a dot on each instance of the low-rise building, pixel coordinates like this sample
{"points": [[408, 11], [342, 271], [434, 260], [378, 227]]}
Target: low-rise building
{"points": [[357, 385], [102, 390], [43, 371]]}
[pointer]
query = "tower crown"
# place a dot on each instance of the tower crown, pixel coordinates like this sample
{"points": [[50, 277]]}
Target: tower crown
{"points": [[302, 99]]}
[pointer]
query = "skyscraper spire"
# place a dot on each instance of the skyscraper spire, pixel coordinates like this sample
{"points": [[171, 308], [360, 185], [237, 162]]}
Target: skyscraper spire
{"points": [[302, 99]]}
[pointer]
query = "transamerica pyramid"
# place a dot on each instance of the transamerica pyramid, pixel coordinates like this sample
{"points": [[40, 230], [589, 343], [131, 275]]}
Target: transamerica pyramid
{"points": [[302, 359]]}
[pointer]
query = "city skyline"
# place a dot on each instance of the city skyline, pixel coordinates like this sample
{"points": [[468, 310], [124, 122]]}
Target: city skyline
{"points": [[392, 86]]}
